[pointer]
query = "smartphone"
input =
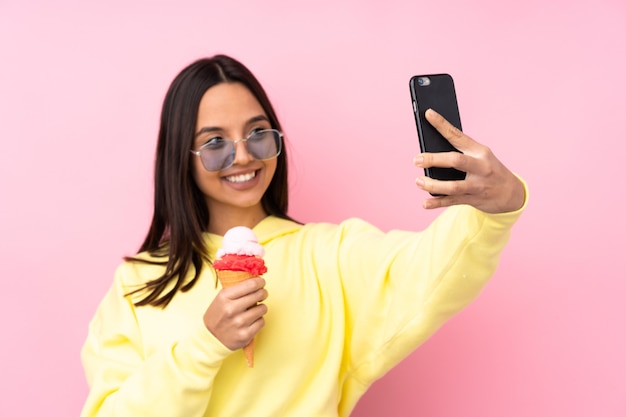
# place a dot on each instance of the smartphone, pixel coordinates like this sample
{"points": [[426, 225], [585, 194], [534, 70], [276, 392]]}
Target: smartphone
{"points": [[436, 92]]}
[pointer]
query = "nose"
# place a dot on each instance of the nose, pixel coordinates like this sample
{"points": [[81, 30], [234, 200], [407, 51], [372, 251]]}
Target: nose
{"points": [[242, 156]]}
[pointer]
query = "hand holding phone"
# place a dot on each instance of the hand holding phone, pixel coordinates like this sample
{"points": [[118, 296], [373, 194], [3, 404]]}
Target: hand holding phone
{"points": [[489, 186], [437, 92]]}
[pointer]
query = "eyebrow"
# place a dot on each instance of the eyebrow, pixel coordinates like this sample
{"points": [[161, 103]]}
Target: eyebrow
{"points": [[209, 129]]}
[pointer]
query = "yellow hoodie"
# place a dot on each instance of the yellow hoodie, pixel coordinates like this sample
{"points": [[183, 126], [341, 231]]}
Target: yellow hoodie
{"points": [[346, 303]]}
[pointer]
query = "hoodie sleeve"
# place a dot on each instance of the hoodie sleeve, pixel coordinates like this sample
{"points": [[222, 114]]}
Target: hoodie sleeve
{"points": [[400, 287], [126, 381]]}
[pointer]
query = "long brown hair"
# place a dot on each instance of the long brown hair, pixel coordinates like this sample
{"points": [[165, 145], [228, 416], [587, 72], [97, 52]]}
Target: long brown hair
{"points": [[180, 211]]}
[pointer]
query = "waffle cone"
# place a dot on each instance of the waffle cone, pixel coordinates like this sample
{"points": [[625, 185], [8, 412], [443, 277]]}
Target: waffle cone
{"points": [[228, 279]]}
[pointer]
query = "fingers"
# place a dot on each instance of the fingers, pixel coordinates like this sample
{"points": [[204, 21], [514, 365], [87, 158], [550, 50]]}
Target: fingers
{"points": [[448, 193], [450, 189], [459, 140], [243, 288], [500, 193], [456, 160], [488, 185], [236, 314], [243, 296], [245, 325], [236, 332], [467, 160]]}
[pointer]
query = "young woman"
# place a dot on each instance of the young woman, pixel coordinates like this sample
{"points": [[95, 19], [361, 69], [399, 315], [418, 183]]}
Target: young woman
{"points": [[339, 306]]}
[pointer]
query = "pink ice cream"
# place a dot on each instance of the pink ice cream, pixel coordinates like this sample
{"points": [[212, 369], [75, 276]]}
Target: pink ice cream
{"points": [[241, 251]]}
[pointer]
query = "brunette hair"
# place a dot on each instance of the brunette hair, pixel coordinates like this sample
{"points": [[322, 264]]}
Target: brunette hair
{"points": [[180, 210]]}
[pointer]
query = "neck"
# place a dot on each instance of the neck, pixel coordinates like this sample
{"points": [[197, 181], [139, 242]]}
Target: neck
{"points": [[223, 220]]}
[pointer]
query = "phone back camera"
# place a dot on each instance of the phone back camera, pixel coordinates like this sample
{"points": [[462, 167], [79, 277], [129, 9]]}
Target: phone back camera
{"points": [[423, 81]]}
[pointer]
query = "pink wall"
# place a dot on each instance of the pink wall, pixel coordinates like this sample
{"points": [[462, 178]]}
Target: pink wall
{"points": [[543, 85]]}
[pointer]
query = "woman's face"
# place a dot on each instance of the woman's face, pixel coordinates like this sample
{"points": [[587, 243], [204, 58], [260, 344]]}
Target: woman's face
{"points": [[230, 111]]}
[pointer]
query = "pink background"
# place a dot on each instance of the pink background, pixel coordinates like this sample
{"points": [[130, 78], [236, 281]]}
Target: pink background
{"points": [[542, 84]]}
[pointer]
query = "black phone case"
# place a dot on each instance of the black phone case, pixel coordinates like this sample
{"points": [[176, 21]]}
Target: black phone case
{"points": [[439, 94]]}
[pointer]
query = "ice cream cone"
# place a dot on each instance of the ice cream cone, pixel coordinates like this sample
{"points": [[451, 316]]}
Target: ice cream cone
{"points": [[228, 279]]}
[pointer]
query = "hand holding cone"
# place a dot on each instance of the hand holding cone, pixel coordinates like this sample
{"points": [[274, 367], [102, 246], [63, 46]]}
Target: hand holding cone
{"points": [[229, 278], [240, 258]]}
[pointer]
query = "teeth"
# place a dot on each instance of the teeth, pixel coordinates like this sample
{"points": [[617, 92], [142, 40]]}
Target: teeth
{"points": [[242, 177]]}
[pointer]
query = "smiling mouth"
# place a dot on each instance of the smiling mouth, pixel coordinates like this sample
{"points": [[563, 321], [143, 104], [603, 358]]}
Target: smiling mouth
{"points": [[241, 178]]}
